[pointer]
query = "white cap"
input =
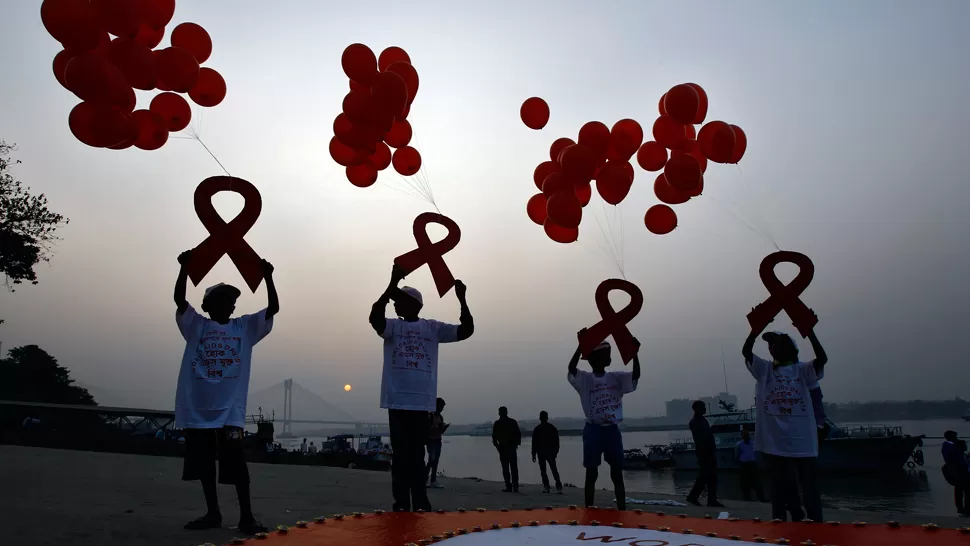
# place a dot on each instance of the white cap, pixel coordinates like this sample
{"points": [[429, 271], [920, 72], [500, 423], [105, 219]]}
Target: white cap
{"points": [[221, 286], [603, 345], [413, 292]]}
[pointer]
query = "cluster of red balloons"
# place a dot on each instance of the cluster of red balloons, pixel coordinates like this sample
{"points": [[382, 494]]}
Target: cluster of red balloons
{"points": [[681, 152], [374, 117], [104, 71]]}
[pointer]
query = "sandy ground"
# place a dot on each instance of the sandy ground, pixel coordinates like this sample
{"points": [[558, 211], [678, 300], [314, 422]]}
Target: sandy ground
{"points": [[80, 498]]}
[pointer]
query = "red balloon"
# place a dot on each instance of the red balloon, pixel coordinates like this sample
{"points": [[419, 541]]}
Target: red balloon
{"points": [[740, 145], [72, 22], [652, 156], [543, 170], [666, 193], [555, 183], [578, 163], [100, 125], [701, 104], [194, 39], [356, 106], [660, 107], [625, 138], [359, 63], [173, 109], [694, 149], [407, 161], [595, 136], [177, 68], [717, 141], [699, 189], [152, 130], [400, 134], [564, 209], [669, 134], [584, 192], [660, 219], [681, 103], [409, 75], [613, 182], [683, 172], [392, 55], [691, 133], [60, 65], [558, 145], [94, 79], [345, 155], [558, 233], [390, 93], [536, 208], [210, 89], [534, 113], [156, 13], [362, 175], [381, 158], [404, 114], [135, 61], [343, 129], [119, 17]]}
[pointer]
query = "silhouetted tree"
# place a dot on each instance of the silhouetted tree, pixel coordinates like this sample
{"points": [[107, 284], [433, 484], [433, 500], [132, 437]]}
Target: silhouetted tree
{"points": [[26, 225], [31, 375]]}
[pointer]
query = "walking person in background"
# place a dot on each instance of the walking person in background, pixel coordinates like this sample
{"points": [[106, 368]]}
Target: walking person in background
{"points": [[436, 428], [409, 382], [706, 451], [601, 395], [506, 437], [545, 447], [956, 470], [747, 460], [786, 431]]}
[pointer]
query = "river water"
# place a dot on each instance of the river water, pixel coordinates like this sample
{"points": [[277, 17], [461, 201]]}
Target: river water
{"points": [[922, 490]]}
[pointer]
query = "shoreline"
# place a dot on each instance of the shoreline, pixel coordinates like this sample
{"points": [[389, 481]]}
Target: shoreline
{"points": [[91, 498]]}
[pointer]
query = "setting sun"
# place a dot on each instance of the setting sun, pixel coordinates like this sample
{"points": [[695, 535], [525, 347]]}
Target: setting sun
{"points": [[347, 388]]}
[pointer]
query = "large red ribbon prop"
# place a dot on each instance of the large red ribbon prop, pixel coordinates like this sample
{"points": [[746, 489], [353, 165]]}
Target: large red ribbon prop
{"points": [[613, 323], [431, 253], [785, 296], [226, 238]]}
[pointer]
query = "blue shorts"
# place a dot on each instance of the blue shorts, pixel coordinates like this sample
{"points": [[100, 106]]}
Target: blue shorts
{"points": [[602, 440]]}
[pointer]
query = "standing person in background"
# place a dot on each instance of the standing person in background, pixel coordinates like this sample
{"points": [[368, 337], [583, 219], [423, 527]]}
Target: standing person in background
{"points": [[436, 428], [304, 448], [956, 470], [601, 395], [409, 383], [747, 460], [312, 449], [506, 437], [786, 431], [213, 386], [545, 446], [706, 451]]}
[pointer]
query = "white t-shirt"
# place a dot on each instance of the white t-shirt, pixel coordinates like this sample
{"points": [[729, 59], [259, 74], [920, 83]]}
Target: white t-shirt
{"points": [[213, 382], [410, 378], [785, 420], [602, 397]]}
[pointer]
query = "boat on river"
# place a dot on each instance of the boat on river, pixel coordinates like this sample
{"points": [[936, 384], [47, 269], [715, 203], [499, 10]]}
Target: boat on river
{"points": [[657, 456], [866, 448]]}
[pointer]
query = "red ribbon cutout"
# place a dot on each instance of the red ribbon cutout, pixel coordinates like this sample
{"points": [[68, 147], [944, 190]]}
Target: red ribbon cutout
{"points": [[613, 323], [431, 253], [226, 238], [785, 296]]}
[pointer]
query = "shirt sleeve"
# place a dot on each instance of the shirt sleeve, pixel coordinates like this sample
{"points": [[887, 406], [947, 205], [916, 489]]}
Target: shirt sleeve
{"points": [[389, 327], [758, 366], [187, 321], [257, 327], [578, 380], [447, 333], [624, 380], [807, 370]]}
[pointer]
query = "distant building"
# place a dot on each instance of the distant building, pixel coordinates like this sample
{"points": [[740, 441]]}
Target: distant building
{"points": [[680, 410]]}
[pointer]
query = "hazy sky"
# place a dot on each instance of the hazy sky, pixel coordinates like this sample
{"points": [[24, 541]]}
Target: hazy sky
{"points": [[856, 115]]}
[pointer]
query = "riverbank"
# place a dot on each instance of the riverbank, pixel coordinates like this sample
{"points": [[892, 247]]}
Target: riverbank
{"points": [[59, 497]]}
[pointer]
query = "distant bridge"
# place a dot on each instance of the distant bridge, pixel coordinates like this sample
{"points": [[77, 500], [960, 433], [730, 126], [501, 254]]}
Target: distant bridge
{"points": [[312, 404]]}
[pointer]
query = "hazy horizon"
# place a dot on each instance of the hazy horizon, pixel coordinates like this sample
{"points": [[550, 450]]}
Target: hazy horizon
{"points": [[854, 114]]}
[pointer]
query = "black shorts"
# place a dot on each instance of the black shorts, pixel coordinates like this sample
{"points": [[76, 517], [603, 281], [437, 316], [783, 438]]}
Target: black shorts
{"points": [[203, 446]]}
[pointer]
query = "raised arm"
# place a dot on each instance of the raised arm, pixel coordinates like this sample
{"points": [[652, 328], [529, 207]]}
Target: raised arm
{"points": [[820, 357], [574, 361], [273, 299], [181, 303], [636, 362], [466, 326], [377, 319], [747, 351]]}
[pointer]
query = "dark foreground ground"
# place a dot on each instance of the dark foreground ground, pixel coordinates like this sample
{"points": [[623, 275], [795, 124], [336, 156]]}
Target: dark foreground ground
{"points": [[80, 498]]}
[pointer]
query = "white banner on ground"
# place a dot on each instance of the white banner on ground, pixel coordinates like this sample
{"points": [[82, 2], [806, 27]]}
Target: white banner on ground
{"points": [[567, 535]]}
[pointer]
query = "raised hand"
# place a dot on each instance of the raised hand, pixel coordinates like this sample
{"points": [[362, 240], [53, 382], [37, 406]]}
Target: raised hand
{"points": [[397, 274], [185, 257], [267, 268], [460, 289]]}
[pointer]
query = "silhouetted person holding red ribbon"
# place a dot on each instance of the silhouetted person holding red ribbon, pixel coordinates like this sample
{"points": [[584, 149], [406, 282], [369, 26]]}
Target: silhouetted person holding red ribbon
{"points": [[601, 395], [213, 384], [785, 431], [409, 384]]}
